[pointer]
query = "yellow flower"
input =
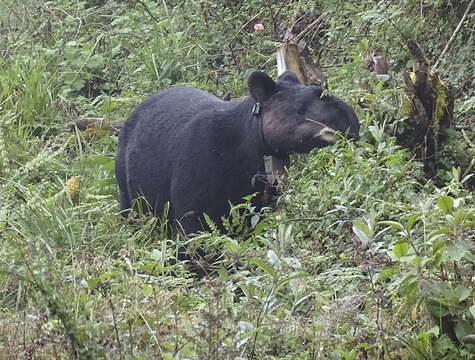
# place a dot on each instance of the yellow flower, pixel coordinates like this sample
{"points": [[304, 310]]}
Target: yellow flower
{"points": [[72, 188]]}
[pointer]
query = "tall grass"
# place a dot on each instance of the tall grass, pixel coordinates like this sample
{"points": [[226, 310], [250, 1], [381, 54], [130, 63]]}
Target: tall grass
{"points": [[28, 109]]}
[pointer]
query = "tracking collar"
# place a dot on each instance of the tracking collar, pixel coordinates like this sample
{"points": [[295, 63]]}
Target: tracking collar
{"points": [[268, 150]]}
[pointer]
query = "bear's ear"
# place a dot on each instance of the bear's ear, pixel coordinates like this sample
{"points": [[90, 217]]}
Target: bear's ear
{"points": [[290, 77], [261, 86]]}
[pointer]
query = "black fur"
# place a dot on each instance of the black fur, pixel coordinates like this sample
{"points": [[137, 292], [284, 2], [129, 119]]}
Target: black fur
{"points": [[189, 148]]}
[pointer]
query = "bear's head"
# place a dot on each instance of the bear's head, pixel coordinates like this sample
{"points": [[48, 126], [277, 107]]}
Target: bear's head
{"points": [[297, 118]]}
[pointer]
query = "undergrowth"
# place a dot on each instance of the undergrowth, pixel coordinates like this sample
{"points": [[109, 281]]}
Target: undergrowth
{"points": [[365, 258]]}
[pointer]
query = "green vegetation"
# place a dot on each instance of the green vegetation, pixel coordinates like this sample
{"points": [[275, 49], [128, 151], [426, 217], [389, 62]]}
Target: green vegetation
{"points": [[365, 258]]}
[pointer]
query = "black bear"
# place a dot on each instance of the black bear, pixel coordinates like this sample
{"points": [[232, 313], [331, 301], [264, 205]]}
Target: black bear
{"points": [[197, 152]]}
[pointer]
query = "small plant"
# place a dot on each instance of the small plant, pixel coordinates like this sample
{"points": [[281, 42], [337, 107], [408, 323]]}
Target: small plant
{"points": [[432, 269]]}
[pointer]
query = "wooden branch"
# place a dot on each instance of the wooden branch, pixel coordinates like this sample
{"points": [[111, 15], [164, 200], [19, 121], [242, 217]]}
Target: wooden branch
{"points": [[101, 123], [452, 38]]}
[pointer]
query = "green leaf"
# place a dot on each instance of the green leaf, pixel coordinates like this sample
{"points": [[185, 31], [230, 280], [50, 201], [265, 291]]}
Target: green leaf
{"points": [[436, 308], [460, 216], [249, 197], [285, 280], [292, 262], [394, 224], [157, 254], [147, 289], [472, 310], [362, 230], [458, 251], [105, 276], [416, 260], [386, 273], [408, 286], [260, 227], [78, 84], [254, 220], [161, 24], [412, 220], [462, 292], [273, 259], [445, 203], [443, 344], [284, 234], [96, 62], [463, 329], [469, 224], [442, 231], [434, 331], [92, 283], [400, 249], [264, 266], [99, 161], [223, 274]]}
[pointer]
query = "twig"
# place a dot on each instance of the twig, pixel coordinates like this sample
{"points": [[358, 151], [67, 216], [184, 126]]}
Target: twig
{"points": [[152, 333], [452, 38], [314, 25], [230, 44], [333, 65], [301, 219], [271, 13], [77, 18], [233, 56], [115, 327], [422, 10], [260, 314]]}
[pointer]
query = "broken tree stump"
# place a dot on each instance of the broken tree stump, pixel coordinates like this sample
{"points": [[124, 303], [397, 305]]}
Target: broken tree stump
{"points": [[427, 107], [294, 54]]}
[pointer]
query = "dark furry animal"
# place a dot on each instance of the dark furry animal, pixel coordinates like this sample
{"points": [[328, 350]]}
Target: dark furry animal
{"points": [[197, 152]]}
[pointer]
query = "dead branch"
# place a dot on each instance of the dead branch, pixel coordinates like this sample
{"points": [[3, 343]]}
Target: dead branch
{"points": [[97, 122], [313, 26]]}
